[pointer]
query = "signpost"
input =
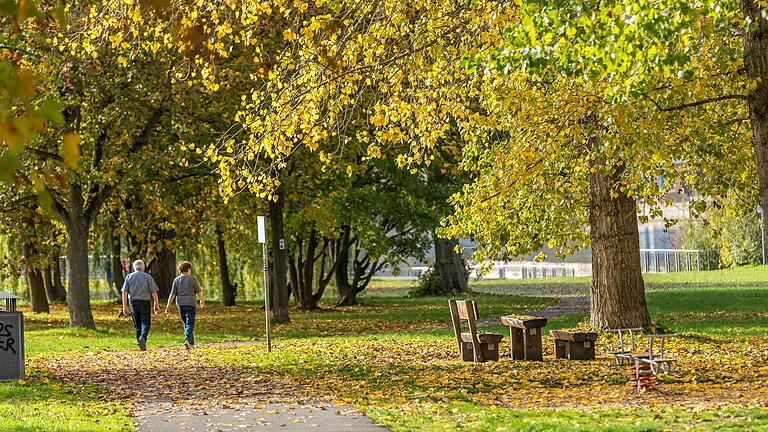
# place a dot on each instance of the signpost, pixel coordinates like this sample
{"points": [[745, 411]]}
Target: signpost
{"points": [[11, 339], [263, 240], [762, 231]]}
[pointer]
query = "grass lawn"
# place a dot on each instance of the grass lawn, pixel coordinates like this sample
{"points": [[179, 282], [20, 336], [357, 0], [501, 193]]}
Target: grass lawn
{"points": [[45, 405], [395, 358]]}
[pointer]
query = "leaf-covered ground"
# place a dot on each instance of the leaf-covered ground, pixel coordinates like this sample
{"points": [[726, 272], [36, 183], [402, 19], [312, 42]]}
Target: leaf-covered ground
{"points": [[416, 382], [46, 334], [396, 359]]}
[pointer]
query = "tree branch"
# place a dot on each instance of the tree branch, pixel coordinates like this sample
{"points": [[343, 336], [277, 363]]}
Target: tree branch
{"points": [[43, 154], [696, 103]]}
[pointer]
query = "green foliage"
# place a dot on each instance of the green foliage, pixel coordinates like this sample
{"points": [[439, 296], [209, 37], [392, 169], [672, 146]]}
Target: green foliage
{"points": [[568, 92], [739, 238], [732, 227], [697, 235], [428, 284]]}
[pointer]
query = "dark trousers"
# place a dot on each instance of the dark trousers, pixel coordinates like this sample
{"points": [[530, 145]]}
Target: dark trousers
{"points": [[187, 316], [141, 311]]}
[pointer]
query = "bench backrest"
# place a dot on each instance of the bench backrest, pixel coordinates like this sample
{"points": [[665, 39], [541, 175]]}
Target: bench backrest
{"points": [[465, 310]]}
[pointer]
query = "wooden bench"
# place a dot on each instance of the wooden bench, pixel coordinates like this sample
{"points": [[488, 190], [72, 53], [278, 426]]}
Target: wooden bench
{"points": [[525, 336], [574, 345], [473, 346]]}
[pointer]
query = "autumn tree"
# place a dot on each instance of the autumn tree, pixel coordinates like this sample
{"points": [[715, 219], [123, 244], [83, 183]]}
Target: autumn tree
{"points": [[600, 105], [756, 67], [110, 111], [569, 84]]}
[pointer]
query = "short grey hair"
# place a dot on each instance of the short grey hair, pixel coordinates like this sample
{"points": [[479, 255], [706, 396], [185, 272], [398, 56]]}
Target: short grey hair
{"points": [[138, 265]]}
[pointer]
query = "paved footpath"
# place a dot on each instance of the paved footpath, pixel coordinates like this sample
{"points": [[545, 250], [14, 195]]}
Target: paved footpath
{"points": [[270, 417], [169, 389], [562, 307]]}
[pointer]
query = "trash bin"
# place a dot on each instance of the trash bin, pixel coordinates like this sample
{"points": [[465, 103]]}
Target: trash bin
{"points": [[11, 338]]}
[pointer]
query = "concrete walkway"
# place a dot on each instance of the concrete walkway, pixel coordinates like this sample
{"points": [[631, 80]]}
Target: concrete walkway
{"points": [[170, 389], [254, 417]]}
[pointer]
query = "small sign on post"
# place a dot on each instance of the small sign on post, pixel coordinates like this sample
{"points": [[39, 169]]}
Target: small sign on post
{"points": [[262, 231]]}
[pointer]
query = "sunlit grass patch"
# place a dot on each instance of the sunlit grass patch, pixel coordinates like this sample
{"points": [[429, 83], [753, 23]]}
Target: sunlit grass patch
{"points": [[48, 406]]}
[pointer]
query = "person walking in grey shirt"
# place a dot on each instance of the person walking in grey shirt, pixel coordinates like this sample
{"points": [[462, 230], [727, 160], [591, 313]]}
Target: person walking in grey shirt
{"points": [[184, 289], [139, 288]]}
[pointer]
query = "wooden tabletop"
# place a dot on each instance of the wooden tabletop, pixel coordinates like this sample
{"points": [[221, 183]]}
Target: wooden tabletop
{"points": [[524, 321]]}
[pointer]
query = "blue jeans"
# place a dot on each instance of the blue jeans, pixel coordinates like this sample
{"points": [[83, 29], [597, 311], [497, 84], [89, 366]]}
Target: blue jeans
{"points": [[187, 315], [141, 311]]}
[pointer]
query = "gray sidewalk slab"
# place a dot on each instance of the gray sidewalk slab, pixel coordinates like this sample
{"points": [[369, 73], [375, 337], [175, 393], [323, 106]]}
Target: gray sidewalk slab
{"points": [[247, 417]]}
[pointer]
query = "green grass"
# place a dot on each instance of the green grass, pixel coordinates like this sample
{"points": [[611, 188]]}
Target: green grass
{"points": [[50, 406], [471, 417]]}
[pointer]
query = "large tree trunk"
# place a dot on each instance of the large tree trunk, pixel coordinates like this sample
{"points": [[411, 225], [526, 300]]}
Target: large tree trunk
{"points": [[163, 267], [78, 293], [279, 265], [118, 278], [58, 284], [617, 291], [38, 300], [450, 266], [228, 291], [756, 65]]}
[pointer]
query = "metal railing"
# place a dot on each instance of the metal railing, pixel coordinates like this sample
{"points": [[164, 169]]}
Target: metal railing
{"points": [[677, 260]]}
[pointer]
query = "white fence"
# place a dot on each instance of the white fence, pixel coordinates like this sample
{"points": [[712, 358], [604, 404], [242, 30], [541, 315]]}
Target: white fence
{"points": [[651, 261], [677, 260]]}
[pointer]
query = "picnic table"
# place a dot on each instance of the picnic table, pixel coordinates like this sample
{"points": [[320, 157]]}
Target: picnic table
{"points": [[574, 345], [525, 336]]}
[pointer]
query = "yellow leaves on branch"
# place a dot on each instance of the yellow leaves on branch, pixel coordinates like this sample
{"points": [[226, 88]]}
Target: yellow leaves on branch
{"points": [[315, 81], [70, 150]]}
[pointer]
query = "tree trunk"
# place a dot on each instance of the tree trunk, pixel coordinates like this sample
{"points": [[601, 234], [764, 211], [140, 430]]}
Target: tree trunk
{"points": [[306, 268], [756, 65], [58, 284], [78, 293], [347, 294], [48, 283], [294, 274], [279, 265], [38, 300], [50, 288], [118, 278], [450, 266], [228, 291], [617, 291], [163, 267]]}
